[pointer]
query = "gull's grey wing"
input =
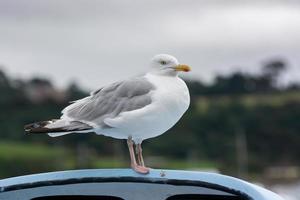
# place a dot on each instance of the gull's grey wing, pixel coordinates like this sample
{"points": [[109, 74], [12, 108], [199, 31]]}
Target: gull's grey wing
{"points": [[109, 101]]}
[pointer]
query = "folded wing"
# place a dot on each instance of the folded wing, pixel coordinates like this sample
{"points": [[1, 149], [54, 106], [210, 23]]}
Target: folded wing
{"points": [[109, 102]]}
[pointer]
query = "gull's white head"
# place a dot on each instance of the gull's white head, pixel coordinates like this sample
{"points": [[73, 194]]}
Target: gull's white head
{"points": [[167, 65]]}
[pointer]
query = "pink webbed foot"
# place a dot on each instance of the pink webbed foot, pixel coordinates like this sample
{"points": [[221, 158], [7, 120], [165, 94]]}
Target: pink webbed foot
{"points": [[140, 169]]}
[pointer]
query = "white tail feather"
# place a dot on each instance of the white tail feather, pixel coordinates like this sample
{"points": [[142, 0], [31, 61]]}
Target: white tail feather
{"points": [[58, 134]]}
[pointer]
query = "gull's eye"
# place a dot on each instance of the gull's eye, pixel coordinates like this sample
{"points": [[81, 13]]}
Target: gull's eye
{"points": [[163, 62]]}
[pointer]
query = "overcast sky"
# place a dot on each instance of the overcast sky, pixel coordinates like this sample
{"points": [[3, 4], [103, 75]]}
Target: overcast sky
{"points": [[97, 42]]}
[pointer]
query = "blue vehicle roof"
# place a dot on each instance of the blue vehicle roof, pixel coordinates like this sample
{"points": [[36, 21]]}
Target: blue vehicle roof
{"points": [[207, 179]]}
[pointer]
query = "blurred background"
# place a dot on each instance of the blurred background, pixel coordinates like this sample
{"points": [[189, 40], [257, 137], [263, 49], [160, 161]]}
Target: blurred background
{"points": [[245, 83]]}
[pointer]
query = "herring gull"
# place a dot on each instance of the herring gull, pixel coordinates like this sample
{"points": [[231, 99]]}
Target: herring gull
{"points": [[134, 109]]}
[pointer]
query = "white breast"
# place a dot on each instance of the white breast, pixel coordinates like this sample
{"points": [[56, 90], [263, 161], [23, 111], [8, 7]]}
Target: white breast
{"points": [[170, 100], [171, 92]]}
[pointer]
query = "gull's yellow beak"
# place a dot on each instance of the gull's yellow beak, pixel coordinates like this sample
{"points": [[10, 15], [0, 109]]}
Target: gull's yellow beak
{"points": [[184, 68]]}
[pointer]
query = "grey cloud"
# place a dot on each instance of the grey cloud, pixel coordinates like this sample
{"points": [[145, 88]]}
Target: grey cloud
{"points": [[97, 42]]}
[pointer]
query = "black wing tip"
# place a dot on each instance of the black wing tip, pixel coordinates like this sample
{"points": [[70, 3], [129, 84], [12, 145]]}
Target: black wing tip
{"points": [[37, 127], [40, 127], [29, 127]]}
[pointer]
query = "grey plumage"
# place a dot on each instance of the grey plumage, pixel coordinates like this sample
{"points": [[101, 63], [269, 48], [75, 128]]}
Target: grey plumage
{"points": [[111, 100]]}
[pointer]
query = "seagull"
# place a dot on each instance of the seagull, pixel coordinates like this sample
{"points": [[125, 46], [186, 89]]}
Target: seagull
{"points": [[134, 109]]}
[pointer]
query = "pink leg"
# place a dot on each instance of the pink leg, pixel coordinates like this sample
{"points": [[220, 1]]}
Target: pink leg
{"points": [[140, 156], [134, 165], [139, 161]]}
